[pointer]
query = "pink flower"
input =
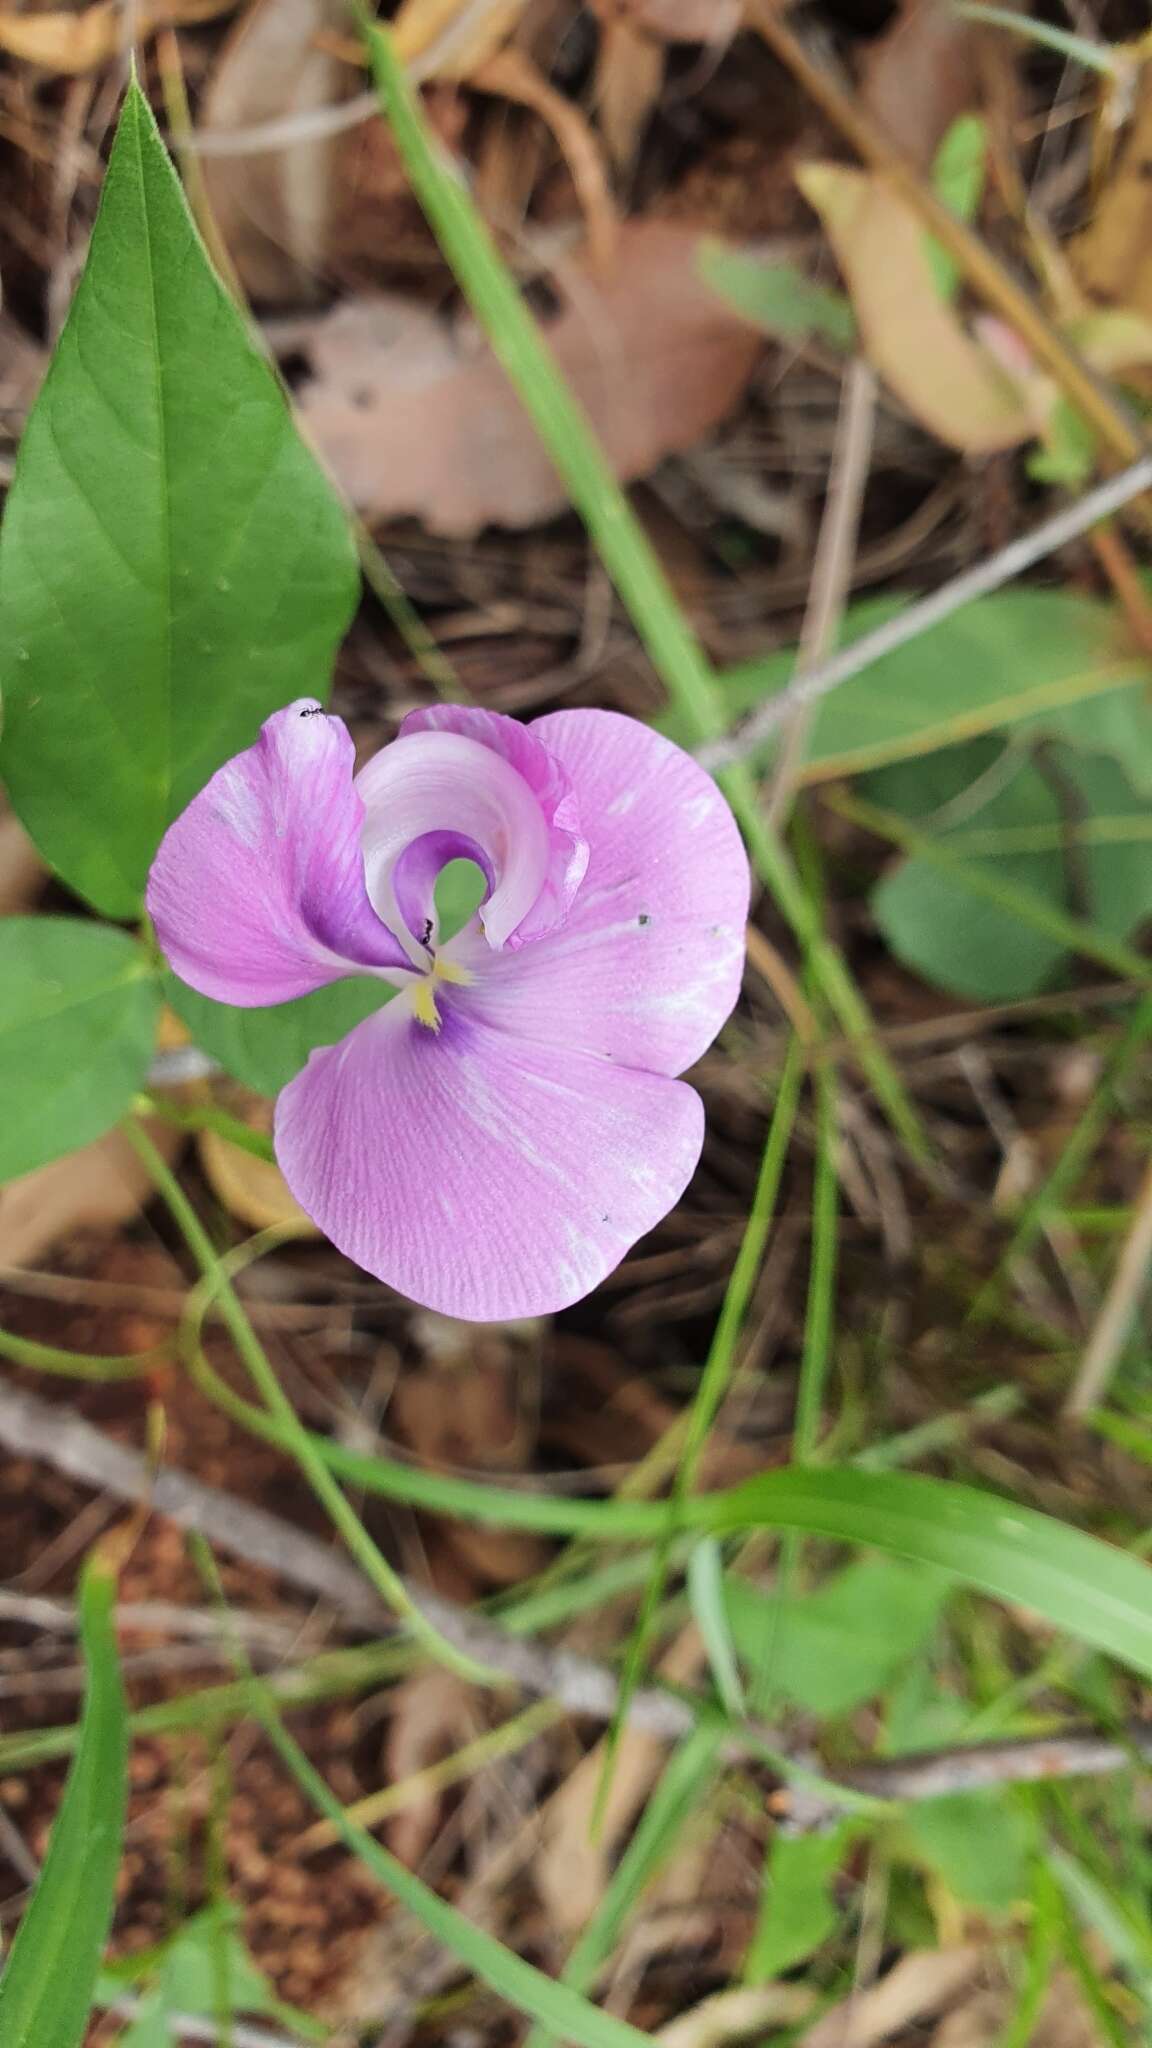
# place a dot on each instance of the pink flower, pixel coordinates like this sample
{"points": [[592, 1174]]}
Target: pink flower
{"points": [[493, 1141]]}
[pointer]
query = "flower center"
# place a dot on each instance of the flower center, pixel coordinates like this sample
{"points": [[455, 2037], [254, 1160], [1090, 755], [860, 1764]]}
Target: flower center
{"points": [[422, 993]]}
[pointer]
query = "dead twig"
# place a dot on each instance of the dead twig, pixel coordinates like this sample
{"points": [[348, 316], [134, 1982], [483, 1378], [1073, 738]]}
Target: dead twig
{"points": [[59, 1437], [1000, 568]]}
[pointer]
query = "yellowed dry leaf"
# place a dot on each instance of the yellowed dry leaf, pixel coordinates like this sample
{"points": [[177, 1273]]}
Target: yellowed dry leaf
{"points": [[737, 2015], [922, 1984], [254, 1190], [274, 210], [97, 1188], [917, 342], [1112, 258], [453, 38], [74, 42], [414, 418]]}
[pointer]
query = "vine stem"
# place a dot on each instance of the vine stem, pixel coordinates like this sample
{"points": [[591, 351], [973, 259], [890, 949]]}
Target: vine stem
{"points": [[295, 1437]]}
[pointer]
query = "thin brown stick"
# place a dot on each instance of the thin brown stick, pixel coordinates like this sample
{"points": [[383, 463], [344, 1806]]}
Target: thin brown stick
{"points": [[1118, 1310], [991, 574], [59, 1437], [832, 566]]}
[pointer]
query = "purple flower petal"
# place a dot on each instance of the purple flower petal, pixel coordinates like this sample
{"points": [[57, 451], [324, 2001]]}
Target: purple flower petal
{"points": [[257, 893], [523, 749], [478, 1174], [648, 964]]}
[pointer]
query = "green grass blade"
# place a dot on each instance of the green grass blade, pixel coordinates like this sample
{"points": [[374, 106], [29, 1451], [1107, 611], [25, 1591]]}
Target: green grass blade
{"points": [[622, 543], [714, 1382], [683, 1787], [46, 1990], [496, 300], [1076, 1582], [557, 2007]]}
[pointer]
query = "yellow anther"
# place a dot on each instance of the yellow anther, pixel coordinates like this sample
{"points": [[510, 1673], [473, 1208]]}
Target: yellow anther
{"points": [[424, 1009]]}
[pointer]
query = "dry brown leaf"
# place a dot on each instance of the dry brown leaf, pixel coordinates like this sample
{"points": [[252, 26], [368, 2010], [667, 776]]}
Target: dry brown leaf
{"points": [[452, 38], [575, 1861], [97, 1188], [22, 872], [77, 42], [922, 1984], [413, 418], [920, 74], [1112, 258], [629, 76], [1064, 2022], [464, 1410], [433, 1714], [677, 21], [918, 343], [274, 209]]}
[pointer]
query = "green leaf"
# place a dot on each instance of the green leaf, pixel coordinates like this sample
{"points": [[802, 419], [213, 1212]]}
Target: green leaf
{"points": [[799, 1912], [1036, 831], [706, 1594], [266, 1048], [1004, 659], [1075, 1582], [1118, 723], [204, 1964], [776, 295], [951, 1836], [957, 179], [842, 1642], [47, 1987], [78, 1007], [174, 565]]}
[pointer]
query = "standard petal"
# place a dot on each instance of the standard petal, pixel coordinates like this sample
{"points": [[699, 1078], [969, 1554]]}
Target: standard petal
{"points": [[522, 747], [648, 964], [477, 1174], [257, 893]]}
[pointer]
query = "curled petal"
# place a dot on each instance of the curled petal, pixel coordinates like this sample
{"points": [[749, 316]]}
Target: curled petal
{"points": [[477, 1174], [648, 964], [257, 892], [522, 748]]}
